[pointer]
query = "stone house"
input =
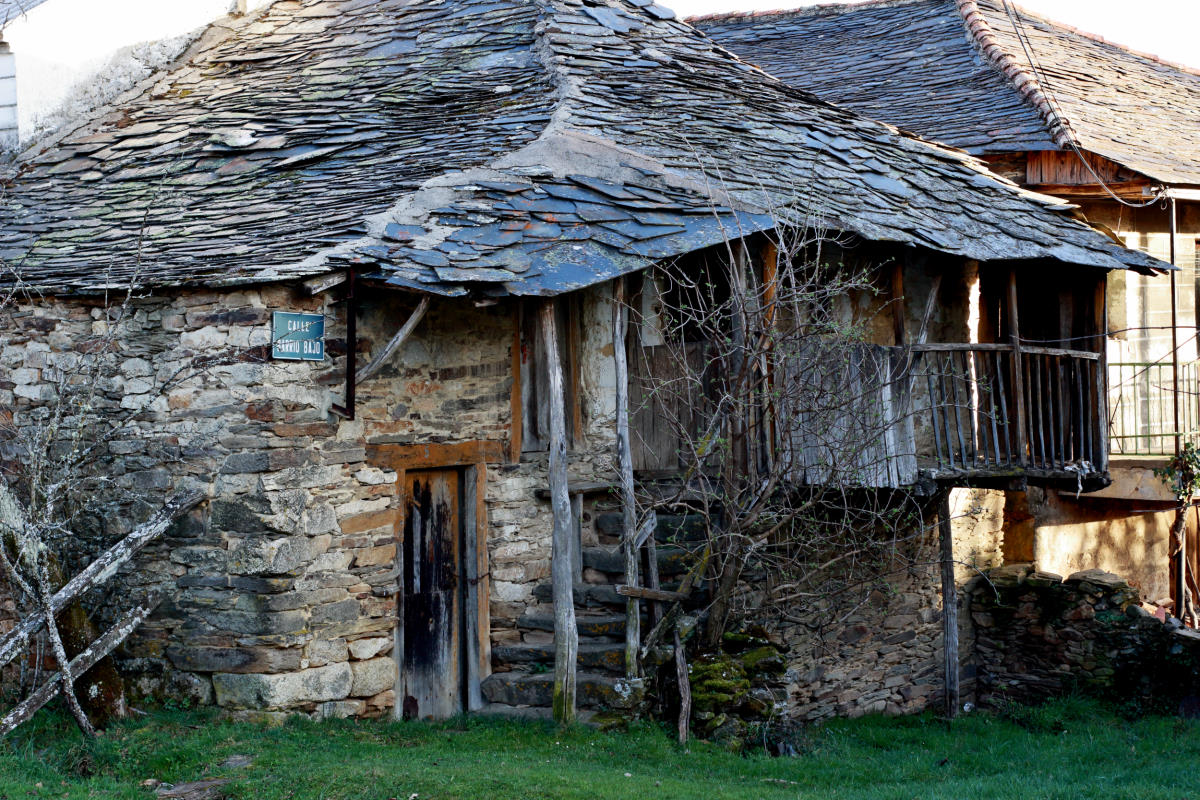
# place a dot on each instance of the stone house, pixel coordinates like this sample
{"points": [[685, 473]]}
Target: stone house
{"points": [[1089, 121], [377, 540]]}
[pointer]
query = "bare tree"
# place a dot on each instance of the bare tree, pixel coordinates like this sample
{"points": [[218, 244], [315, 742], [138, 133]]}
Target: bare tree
{"points": [[789, 427]]}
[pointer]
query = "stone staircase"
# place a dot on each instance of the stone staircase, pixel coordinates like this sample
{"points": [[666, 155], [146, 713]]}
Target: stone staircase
{"points": [[522, 682]]}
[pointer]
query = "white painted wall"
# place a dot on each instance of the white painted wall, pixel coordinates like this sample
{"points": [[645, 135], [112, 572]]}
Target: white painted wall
{"points": [[72, 55]]}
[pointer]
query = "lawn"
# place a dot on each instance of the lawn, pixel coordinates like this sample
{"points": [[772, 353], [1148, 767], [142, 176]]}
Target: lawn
{"points": [[1068, 749]]}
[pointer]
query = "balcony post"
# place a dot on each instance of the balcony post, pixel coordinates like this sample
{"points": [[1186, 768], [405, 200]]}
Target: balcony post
{"points": [[1014, 335]]}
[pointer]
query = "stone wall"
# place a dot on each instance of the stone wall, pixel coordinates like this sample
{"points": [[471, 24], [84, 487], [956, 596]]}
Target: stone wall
{"points": [[1038, 635], [282, 588], [882, 652]]}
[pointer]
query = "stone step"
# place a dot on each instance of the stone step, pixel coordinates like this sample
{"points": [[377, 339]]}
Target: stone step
{"points": [[671, 527], [530, 713], [671, 560], [587, 624], [593, 690], [605, 656], [586, 594]]}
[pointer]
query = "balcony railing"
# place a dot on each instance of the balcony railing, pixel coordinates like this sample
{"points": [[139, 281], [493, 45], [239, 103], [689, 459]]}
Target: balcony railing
{"points": [[1142, 403], [994, 408]]}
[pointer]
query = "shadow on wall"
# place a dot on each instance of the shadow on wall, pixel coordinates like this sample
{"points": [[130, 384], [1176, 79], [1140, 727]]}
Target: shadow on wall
{"points": [[1127, 537]]}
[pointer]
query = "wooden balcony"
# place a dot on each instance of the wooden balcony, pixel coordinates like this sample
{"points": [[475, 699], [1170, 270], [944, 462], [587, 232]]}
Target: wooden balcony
{"points": [[890, 417], [997, 410]]}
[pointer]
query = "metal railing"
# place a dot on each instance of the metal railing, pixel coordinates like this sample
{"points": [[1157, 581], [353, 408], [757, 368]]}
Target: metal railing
{"points": [[1142, 407]]}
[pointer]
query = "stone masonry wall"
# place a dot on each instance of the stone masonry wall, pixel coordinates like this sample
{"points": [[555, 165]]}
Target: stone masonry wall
{"points": [[282, 589], [884, 655], [1038, 635]]}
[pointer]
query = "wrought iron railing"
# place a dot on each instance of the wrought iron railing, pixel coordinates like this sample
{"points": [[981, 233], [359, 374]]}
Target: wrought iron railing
{"points": [[1142, 403]]}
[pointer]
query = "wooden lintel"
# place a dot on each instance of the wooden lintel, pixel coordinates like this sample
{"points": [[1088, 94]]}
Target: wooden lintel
{"points": [[430, 456], [579, 487], [662, 595], [323, 283]]}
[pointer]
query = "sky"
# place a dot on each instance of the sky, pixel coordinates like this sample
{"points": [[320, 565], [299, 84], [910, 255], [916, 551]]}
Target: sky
{"points": [[63, 41]]}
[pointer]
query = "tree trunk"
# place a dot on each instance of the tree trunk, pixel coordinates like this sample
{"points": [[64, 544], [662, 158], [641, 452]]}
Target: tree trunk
{"points": [[566, 636]]}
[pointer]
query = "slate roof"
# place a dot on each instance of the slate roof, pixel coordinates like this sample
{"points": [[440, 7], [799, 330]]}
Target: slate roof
{"points": [[11, 9], [956, 71], [495, 146]]}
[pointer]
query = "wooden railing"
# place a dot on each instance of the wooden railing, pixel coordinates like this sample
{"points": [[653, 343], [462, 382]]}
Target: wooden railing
{"points": [[879, 416], [996, 408]]}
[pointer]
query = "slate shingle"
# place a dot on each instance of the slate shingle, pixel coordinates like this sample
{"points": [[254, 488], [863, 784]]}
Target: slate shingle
{"points": [[559, 142]]}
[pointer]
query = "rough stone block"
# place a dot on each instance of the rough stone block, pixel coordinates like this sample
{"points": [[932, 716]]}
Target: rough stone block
{"points": [[374, 676], [363, 649], [275, 556], [316, 685], [320, 652]]}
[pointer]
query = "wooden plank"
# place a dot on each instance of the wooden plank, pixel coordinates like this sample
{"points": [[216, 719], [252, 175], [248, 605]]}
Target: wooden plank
{"points": [[394, 343], [642, 593], [950, 666], [984, 347], [1018, 382], [566, 634], [1100, 415], [323, 283], [434, 455]]}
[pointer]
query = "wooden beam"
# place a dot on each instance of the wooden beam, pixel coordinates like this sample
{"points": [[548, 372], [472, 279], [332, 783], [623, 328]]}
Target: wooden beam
{"points": [[899, 311], [949, 608], [432, 456], [566, 634], [323, 283], [930, 305], [633, 612], [640, 592], [394, 344]]}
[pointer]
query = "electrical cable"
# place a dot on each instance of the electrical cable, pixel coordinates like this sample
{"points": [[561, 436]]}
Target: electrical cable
{"points": [[1040, 74]]}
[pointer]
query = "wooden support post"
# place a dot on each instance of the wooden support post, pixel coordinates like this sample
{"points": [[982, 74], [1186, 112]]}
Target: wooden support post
{"points": [[566, 635], [898, 308], [1014, 335], [685, 688], [1100, 457], [949, 607], [633, 607]]}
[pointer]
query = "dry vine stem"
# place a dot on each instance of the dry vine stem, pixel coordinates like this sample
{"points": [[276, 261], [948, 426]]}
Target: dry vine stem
{"points": [[754, 359]]}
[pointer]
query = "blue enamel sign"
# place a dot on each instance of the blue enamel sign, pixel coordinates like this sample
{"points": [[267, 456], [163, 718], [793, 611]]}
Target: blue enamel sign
{"points": [[297, 337]]}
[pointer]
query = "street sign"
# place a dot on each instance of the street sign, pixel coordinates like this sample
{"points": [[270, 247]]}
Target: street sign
{"points": [[297, 337]]}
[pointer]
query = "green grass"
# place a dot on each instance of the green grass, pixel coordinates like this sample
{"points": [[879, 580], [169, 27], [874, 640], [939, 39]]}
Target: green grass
{"points": [[1067, 749]]}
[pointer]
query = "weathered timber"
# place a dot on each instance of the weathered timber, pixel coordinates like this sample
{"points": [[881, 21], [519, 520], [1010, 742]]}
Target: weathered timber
{"points": [[566, 636], [685, 688], [641, 592], [629, 547], [323, 283], [646, 532], [126, 625], [949, 608], [394, 343], [103, 568], [1018, 382], [685, 589]]}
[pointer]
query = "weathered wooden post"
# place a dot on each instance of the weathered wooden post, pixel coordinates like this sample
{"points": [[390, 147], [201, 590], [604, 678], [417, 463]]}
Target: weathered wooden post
{"points": [[566, 636], [949, 606], [633, 607]]}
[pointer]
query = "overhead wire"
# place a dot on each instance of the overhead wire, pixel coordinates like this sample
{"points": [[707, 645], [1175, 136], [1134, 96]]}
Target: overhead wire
{"points": [[1040, 73]]}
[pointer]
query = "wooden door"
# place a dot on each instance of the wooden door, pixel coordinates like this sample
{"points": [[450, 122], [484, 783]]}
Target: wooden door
{"points": [[431, 675]]}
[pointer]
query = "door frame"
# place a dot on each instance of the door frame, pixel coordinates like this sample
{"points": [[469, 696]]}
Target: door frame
{"points": [[471, 458]]}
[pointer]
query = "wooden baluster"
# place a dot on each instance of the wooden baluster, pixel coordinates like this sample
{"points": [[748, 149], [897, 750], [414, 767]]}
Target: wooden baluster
{"points": [[1014, 335], [1001, 390]]}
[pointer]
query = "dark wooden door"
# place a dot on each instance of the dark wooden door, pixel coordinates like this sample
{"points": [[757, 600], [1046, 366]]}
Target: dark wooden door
{"points": [[431, 677]]}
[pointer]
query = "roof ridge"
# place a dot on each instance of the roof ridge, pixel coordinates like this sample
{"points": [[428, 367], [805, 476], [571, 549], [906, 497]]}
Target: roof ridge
{"points": [[980, 32], [1095, 37], [823, 8]]}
